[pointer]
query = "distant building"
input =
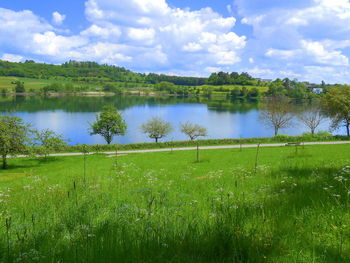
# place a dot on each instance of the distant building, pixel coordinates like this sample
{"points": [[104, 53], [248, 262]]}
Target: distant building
{"points": [[317, 90]]}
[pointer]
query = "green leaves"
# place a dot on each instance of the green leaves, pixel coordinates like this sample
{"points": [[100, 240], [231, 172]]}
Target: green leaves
{"points": [[47, 141], [336, 104], [108, 124], [14, 136]]}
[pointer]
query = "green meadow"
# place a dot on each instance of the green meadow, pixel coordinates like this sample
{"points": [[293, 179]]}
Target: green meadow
{"points": [[278, 204], [31, 84]]}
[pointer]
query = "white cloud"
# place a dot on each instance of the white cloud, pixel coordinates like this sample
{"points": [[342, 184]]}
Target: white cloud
{"points": [[49, 43], [58, 18], [213, 69], [297, 35], [182, 39], [288, 37], [260, 72], [324, 56], [192, 47], [12, 58], [282, 54], [145, 35], [17, 28], [108, 31]]}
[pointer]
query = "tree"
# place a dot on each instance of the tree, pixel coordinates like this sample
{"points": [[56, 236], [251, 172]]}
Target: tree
{"points": [[193, 130], [276, 88], [14, 137], [336, 104], [112, 88], [19, 87], [277, 113], [156, 128], [108, 124], [312, 118], [47, 141]]}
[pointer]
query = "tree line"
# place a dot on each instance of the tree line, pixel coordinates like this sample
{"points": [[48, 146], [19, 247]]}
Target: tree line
{"points": [[94, 72]]}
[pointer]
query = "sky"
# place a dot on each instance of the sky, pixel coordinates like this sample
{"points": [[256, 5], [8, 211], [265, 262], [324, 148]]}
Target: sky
{"points": [[308, 40]]}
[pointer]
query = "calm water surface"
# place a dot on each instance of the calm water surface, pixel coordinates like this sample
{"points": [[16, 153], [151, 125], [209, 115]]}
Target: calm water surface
{"points": [[70, 116]]}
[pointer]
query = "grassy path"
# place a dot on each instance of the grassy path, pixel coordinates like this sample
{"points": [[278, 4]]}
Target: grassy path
{"points": [[200, 147]]}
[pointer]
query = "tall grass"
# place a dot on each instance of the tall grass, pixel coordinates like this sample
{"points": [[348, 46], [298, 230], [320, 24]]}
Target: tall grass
{"points": [[167, 207]]}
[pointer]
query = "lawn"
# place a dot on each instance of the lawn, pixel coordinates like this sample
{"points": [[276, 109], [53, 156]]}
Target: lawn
{"points": [[166, 207]]}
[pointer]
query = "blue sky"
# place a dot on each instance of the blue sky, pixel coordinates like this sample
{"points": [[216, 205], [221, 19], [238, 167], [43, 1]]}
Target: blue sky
{"points": [[303, 39]]}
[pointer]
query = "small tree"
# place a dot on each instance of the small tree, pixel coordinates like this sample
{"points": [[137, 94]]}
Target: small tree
{"points": [[108, 124], [312, 118], [14, 137], [156, 128], [47, 141], [277, 113], [19, 87], [336, 104], [193, 131]]}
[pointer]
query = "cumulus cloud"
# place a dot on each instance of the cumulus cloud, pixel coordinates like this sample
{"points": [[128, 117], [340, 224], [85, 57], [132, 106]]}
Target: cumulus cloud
{"points": [[296, 36], [287, 37], [145, 35], [170, 38], [12, 58], [106, 32], [58, 18]]}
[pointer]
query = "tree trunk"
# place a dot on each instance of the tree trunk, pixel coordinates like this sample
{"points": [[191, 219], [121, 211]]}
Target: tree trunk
{"points": [[276, 131], [348, 129], [156, 140], [4, 161], [312, 131]]}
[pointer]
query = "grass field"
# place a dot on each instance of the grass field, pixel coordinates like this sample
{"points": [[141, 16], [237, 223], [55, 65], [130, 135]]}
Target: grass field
{"points": [[37, 84], [166, 207]]}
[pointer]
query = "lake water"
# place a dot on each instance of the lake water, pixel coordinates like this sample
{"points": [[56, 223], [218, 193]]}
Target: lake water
{"points": [[70, 116]]}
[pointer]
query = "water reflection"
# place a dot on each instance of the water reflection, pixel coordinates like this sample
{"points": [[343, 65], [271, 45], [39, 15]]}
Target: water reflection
{"points": [[70, 116]]}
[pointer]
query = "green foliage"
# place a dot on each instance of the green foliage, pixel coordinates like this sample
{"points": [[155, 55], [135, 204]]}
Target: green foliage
{"points": [[64, 88], [336, 103], [177, 80], [320, 135], [223, 78], [112, 88], [293, 89], [156, 128], [14, 137], [165, 86], [108, 124], [19, 87], [47, 141]]}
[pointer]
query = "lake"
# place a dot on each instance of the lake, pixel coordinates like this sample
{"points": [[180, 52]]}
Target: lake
{"points": [[70, 116]]}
